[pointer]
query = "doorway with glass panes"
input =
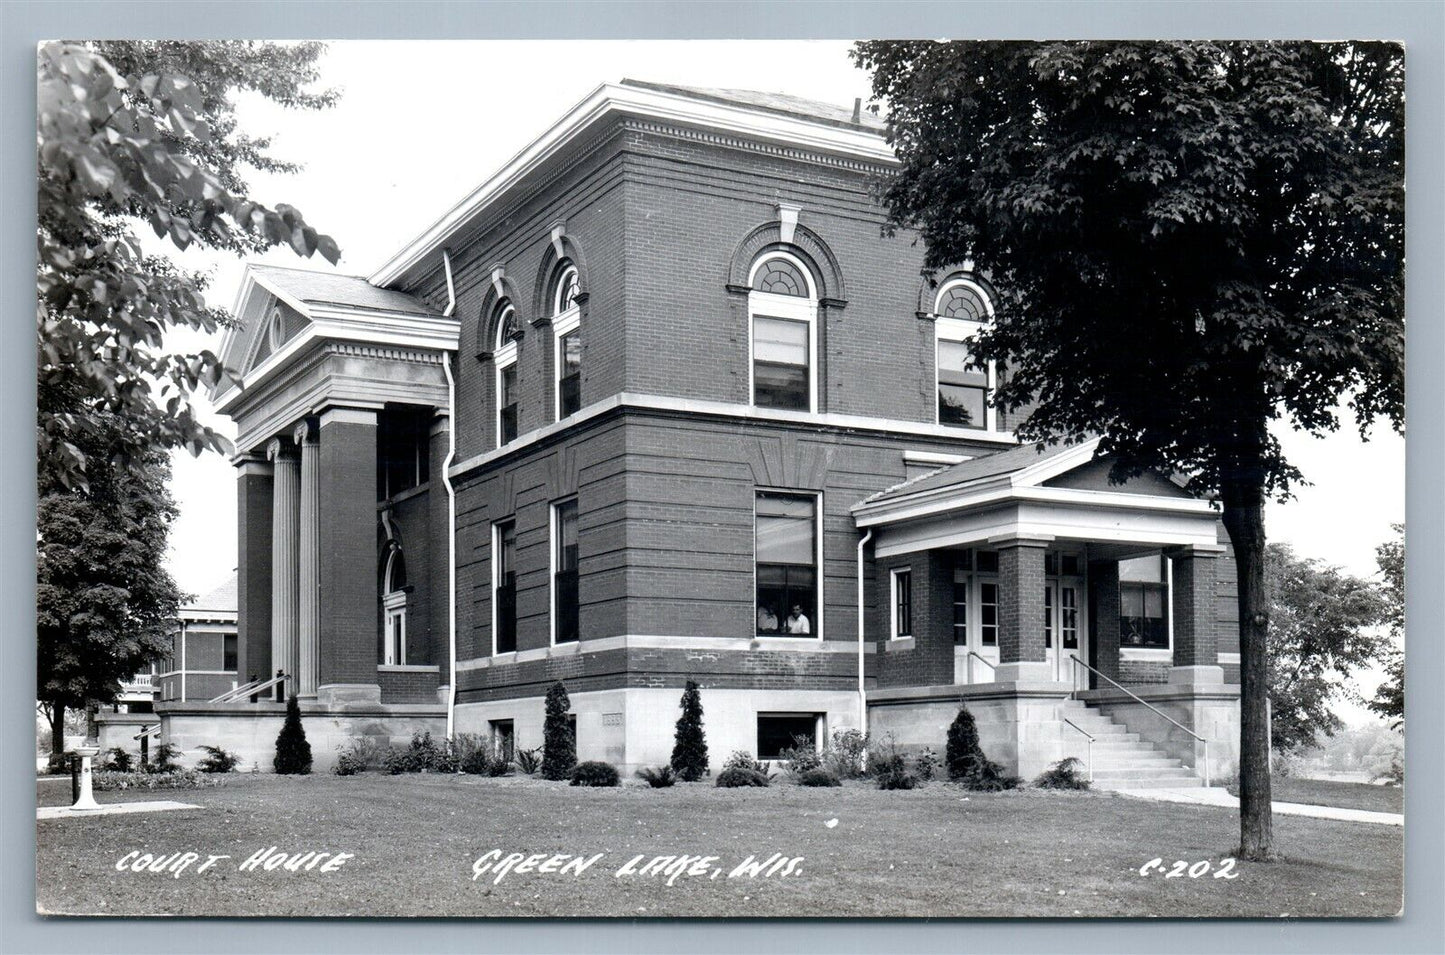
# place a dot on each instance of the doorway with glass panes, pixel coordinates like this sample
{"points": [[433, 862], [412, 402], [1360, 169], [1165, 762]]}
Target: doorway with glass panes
{"points": [[976, 614]]}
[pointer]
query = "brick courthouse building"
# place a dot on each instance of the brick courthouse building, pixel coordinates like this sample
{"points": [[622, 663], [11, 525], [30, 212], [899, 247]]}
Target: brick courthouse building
{"points": [[693, 408]]}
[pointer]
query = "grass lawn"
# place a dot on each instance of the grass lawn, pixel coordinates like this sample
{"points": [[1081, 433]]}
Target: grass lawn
{"points": [[938, 851], [1326, 792]]}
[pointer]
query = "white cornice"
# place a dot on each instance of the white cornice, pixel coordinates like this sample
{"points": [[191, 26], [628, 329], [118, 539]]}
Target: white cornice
{"points": [[943, 500], [612, 99]]}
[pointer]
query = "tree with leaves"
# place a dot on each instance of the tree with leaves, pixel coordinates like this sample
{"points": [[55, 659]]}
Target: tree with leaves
{"points": [[1191, 242], [144, 134], [1324, 627], [559, 747], [105, 605], [689, 747], [1389, 699], [293, 752]]}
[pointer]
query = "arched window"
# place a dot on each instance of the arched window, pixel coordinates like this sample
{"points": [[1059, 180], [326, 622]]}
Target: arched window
{"points": [[567, 340], [393, 603], [965, 387], [782, 318], [504, 356]]}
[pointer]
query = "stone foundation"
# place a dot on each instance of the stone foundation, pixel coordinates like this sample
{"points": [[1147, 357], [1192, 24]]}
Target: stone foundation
{"points": [[250, 729], [119, 730]]}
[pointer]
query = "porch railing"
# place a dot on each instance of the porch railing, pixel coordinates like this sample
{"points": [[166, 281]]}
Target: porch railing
{"points": [[974, 656], [1088, 736], [1138, 699]]}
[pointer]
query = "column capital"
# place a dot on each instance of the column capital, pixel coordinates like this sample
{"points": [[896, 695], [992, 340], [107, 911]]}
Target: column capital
{"points": [[278, 449], [1194, 550], [249, 465], [338, 415], [303, 433], [441, 423], [1015, 541]]}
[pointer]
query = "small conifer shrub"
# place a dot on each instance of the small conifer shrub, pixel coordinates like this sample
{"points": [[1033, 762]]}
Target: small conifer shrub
{"points": [[293, 753]]}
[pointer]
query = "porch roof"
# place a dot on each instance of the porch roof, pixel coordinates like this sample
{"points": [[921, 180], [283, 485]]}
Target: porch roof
{"points": [[1035, 492]]}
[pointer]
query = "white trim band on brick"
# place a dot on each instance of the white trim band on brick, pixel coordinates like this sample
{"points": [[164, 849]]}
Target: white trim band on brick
{"points": [[651, 642], [1228, 659], [408, 668], [1146, 655]]}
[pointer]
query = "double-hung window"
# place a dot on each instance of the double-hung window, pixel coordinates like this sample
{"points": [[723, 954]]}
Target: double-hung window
{"points": [[564, 572], [786, 541], [782, 312], [504, 587], [567, 339], [1144, 603], [964, 385], [393, 603], [902, 603], [505, 359]]}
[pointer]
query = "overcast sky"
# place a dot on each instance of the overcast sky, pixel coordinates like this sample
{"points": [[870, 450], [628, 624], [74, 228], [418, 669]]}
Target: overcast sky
{"points": [[419, 124]]}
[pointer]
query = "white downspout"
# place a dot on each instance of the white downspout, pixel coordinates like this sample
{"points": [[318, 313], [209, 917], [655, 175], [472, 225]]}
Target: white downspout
{"points": [[862, 691], [451, 510]]}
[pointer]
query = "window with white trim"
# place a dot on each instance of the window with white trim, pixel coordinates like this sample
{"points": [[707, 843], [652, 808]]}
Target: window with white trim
{"points": [[783, 335], [504, 587], [567, 341], [564, 572], [393, 602], [965, 387], [902, 602], [1144, 603], [504, 357], [786, 568]]}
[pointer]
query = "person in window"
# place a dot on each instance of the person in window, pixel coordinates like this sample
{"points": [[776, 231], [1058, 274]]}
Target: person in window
{"points": [[767, 621], [798, 621]]}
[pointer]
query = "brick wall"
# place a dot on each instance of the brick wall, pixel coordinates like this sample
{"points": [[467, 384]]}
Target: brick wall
{"points": [[407, 686], [929, 661], [348, 548], [253, 573], [1020, 602]]}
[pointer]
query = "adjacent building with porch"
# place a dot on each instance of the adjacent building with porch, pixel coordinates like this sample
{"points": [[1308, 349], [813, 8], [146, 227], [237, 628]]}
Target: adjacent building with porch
{"points": [[659, 401]]}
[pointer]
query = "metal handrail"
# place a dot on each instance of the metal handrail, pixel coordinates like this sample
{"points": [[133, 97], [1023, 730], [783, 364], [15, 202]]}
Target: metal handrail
{"points": [[253, 688], [1088, 737], [1138, 699], [980, 659]]}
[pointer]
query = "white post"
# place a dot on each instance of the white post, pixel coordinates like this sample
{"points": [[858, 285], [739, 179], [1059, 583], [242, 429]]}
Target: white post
{"points": [[85, 802]]}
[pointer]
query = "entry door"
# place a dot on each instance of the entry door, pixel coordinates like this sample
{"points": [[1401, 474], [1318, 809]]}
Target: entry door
{"points": [[1064, 631], [975, 627]]}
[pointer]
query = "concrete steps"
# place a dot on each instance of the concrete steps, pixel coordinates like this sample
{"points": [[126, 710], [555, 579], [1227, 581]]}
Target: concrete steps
{"points": [[1121, 759]]}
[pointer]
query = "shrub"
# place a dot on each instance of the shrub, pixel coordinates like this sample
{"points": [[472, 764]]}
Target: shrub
{"points": [[734, 777], [659, 778], [889, 768], [217, 760], [165, 760], [902, 779], [818, 776], [844, 754], [349, 764], [559, 747], [801, 757], [118, 760], [529, 760], [1063, 775], [397, 762], [476, 763], [926, 764], [293, 753], [425, 755], [499, 766], [595, 773], [689, 748], [963, 754], [109, 781], [742, 759]]}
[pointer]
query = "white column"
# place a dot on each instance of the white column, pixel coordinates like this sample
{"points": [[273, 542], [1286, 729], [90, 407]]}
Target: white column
{"points": [[285, 518], [308, 602]]}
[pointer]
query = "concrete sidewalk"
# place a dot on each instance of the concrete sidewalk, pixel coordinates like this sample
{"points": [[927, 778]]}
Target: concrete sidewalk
{"points": [[1220, 798], [109, 809]]}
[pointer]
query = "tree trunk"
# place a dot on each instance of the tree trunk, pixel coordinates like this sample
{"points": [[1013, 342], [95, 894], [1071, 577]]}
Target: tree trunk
{"points": [[1244, 520], [57, 736]]}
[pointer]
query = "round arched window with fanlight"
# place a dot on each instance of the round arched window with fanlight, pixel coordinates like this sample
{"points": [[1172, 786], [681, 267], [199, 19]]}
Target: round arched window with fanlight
{"points": [[782, 320], [393, 603], [504, 359], [965, 385], [567, 340]]}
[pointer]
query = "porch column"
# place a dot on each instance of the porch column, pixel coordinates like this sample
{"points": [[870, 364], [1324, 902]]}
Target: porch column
{"points": [[1104, 632], [285, 519], [309, 609], [438, 580], [349, 630], [1196, 659], [253, 567], [1021, 653]]}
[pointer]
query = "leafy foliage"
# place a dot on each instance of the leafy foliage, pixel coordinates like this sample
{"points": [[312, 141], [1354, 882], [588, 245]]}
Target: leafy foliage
{"points": [[595, 773], [1065, 774], [1187, 242], [133, 132], [660, 777], [889, 767], [293, 752], [737, 777], [802, 757], [111, 781], [118, 760], [818, 776], [1322, 629], [166, 760], [846, 753], [963, 753], [529, 760], [689, 748], [1389, 700], [742, 759], [559, 748], [217, 760], [105, 605]]}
